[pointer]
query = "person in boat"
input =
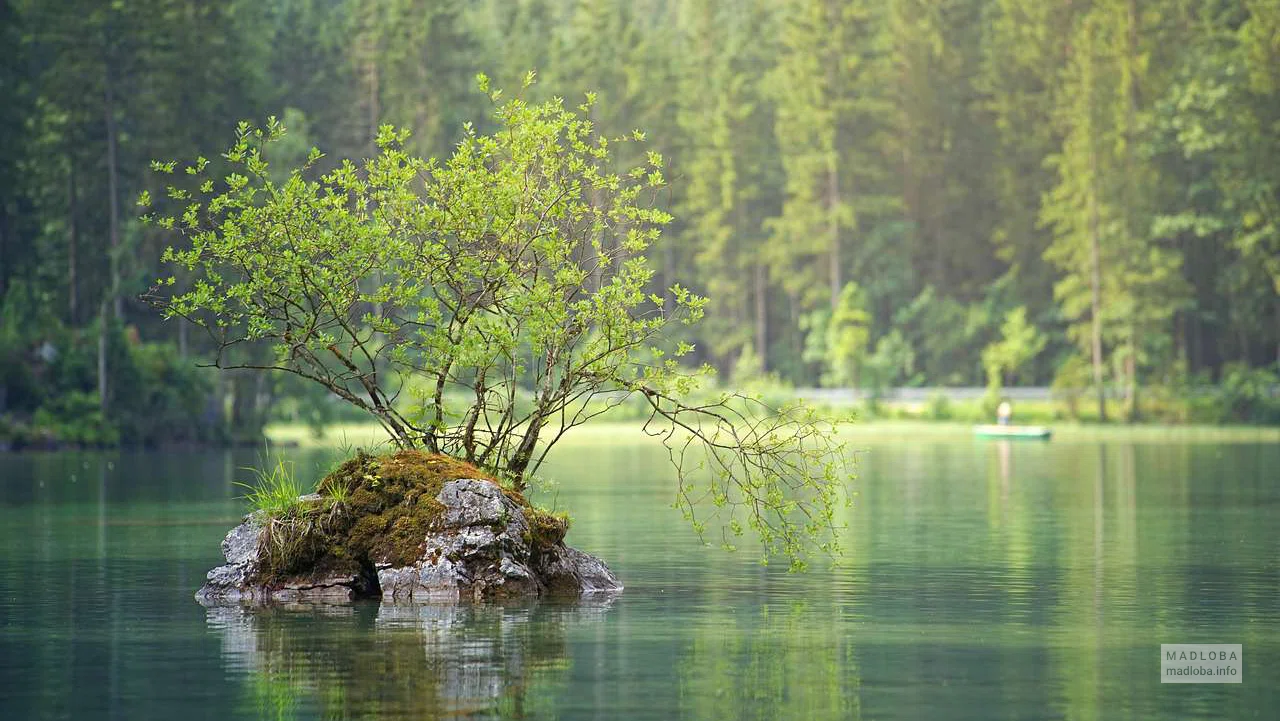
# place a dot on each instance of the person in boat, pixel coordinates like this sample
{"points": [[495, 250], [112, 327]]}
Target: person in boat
{"points": [[1004, 412]]}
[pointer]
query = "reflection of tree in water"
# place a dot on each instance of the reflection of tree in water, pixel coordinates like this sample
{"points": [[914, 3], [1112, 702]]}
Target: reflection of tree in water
{"points": [[367, 661], [792, 661]]}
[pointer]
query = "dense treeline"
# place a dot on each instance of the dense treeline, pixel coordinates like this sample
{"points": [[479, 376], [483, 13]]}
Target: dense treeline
{"points": [[873, 193]]}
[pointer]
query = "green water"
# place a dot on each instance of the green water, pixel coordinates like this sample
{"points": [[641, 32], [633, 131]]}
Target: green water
{"points": [[983, 580]]}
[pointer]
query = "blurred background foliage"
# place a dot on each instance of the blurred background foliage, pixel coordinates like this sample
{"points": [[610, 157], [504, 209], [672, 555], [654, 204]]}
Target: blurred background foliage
{"points": [[1078, 195]]}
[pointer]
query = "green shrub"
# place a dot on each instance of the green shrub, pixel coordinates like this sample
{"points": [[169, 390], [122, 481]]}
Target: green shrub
{"points": [[19, 388], [939, 407], [159, 396], [76, 417], [1248, 394], [1072, 381]]}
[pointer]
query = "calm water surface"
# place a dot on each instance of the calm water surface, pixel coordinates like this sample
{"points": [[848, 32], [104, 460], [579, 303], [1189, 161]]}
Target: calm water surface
{"points": [[983, 580]]}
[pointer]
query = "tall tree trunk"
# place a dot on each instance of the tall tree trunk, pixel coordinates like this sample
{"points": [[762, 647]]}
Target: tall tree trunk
{"points": [[762, 315], [261, 404], [4, 256], [73, 243], [102, 356], [242, 399], [1095, 284], [5, 231], [375, 109], [111, 298], [1095, 241], [1131, 374], [833, 200], [1180, 339], [1130, 192], [375, 113], [109, 110], [4, 259]]}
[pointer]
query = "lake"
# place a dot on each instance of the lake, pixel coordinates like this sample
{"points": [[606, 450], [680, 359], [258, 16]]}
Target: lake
{"points": [[981, 580]]}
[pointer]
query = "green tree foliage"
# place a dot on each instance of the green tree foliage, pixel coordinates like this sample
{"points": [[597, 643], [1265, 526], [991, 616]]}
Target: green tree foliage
{"points": [[1110, 166], [847, 333], [1019, 344], [1120, 286], [413, 61], [511, 275], [729, 171], [1024, 56], [824, 89]]}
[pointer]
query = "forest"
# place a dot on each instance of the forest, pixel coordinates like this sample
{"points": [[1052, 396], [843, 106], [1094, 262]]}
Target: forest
{"points": [[1083, 195]]}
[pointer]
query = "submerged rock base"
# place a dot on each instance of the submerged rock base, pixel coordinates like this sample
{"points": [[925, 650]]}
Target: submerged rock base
{"points": [[480, 544]]}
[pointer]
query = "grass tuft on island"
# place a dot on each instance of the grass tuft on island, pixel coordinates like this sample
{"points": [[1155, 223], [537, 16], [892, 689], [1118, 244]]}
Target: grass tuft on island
{"points": [[370, 509]]}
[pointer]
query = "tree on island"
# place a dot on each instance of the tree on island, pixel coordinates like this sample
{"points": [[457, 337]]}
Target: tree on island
{"points": [[484, 305]]}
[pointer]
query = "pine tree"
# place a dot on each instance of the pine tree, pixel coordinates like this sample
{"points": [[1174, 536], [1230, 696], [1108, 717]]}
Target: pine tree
{"points": [[1024, 55], [824, 87], [727, 167]]}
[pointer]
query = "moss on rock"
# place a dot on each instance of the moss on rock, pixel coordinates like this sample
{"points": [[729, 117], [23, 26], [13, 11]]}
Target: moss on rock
{"points": [[547, 528], [374, 510]]}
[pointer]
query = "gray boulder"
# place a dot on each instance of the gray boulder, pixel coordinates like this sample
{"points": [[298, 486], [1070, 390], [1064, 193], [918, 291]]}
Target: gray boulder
{"points": [[234, 581], [481, 548]]}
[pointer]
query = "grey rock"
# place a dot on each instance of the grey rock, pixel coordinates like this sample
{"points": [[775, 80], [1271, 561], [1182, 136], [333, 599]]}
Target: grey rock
{"points": [[233, 580], [481, 550], [429, 580], [339, 588], [241, 544], [567, 570], [471, 503]]}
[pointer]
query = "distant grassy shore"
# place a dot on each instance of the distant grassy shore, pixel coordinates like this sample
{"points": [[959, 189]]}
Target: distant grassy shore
{"points": [[366, 435]]}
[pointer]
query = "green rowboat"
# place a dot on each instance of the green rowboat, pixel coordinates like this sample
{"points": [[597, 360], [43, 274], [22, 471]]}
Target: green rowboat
{"points": [[996, 431]]}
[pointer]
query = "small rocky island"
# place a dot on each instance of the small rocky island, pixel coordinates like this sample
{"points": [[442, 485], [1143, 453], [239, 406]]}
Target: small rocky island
{"points": [[407, 527]]}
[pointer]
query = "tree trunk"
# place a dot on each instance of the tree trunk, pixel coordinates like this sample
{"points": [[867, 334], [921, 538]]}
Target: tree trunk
{"points": [[4, 259], [72, 245], [1131, 377], [109, 111], [243, 397], [102, 356], [1095, 286], [519, 462], [833, 199], [1131, 109], [261, 403], [1180, 339], [762, 316], [1132, 89], [375, 109]]}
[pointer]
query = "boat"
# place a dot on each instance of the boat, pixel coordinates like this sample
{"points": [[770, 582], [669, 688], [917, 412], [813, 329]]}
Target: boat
{"points": [[998, 431]]}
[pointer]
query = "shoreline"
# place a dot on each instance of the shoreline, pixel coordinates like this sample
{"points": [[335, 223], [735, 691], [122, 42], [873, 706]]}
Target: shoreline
{"points": [[355, 434], [370, 435], [55, 446]]}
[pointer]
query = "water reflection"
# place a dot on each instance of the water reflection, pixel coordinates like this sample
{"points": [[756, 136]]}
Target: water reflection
{"points": [[791, 660], [383, 661], [981, 580]]}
